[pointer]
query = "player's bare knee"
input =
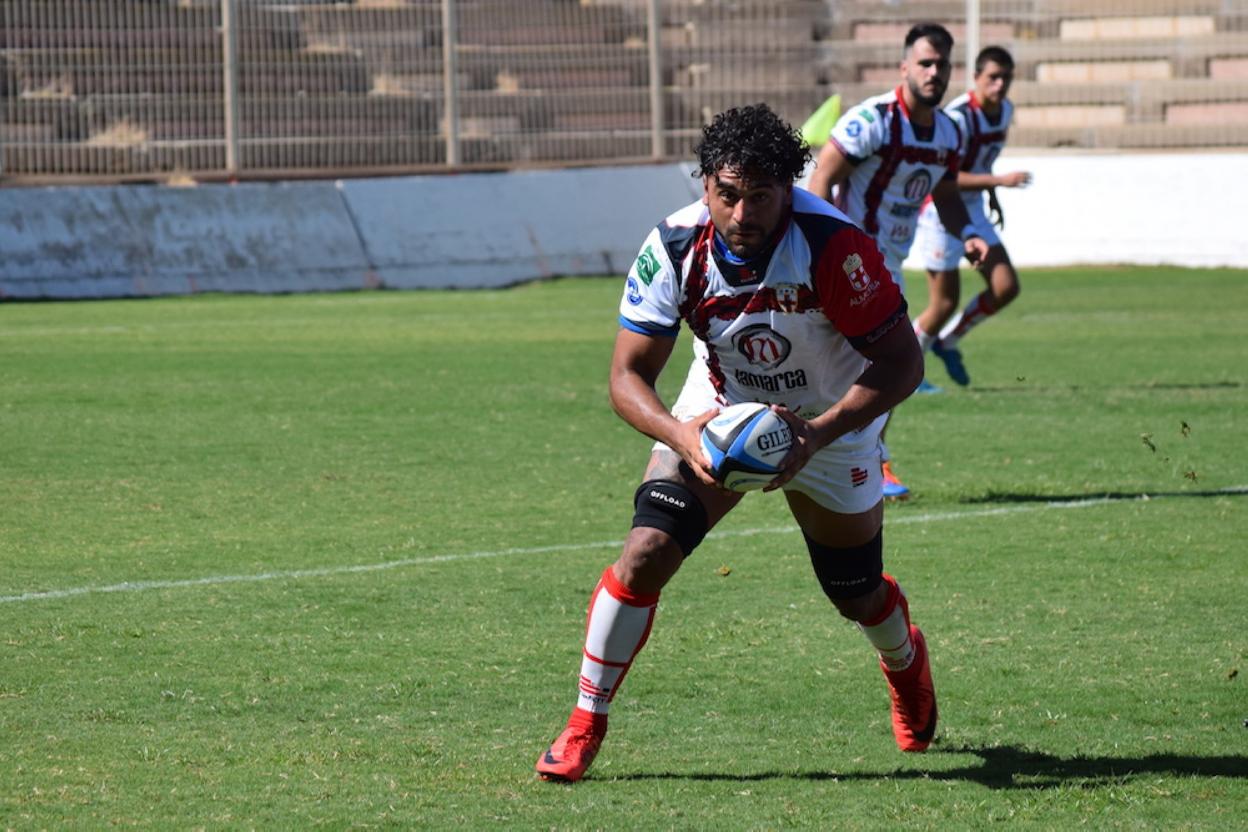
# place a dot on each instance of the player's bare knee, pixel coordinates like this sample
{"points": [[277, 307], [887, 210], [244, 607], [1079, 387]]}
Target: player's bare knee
{"points": [[850, 576], [1008, 290], [649, 560], [864, 607], [1001, 276], [646, 544], [671, 509], [944, 291]]}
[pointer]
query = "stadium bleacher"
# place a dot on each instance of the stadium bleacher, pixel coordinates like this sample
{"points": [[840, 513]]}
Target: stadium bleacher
{"points": [[107, 87]]}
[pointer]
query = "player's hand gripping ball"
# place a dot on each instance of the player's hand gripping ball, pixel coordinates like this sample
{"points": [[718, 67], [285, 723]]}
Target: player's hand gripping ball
{"points": [[746, 444]]}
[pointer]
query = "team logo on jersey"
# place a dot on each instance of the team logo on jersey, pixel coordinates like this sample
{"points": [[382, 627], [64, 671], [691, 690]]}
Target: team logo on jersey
{"points": [[786, 296], [647, 265], [859, 280], [632, 291], [918, 185], [762, 346], [854, 128]]}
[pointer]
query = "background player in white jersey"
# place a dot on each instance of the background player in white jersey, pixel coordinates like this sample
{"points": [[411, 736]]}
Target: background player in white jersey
{"points": [[887, 155], [984, 115], [793, 306]]}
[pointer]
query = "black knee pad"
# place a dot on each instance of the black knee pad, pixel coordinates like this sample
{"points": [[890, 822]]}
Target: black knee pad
{"points": [[851, 572], [670, 507]]}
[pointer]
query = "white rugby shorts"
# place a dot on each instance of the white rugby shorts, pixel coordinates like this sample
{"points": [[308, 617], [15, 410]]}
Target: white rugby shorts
{"points": [[844, 476], [941, 251], [893, 261]]}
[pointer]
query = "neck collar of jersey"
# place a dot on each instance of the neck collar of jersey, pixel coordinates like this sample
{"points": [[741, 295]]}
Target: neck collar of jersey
{"points": [[976, 104], [739, 271], [899, 94]]}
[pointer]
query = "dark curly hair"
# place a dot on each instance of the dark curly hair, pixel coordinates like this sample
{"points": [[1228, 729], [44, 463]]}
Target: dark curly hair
{"points": [[752, 140]]}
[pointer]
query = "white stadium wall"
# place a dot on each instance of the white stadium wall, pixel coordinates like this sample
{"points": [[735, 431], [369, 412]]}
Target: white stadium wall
{"points": [[495, 229], [456, 231], [479, 230], [134, 241], [1156, 208]]}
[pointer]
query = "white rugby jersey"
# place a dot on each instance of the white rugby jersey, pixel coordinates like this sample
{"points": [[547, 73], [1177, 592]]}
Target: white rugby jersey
{"points": [[895, 167], [781, 328], [983, 138]]}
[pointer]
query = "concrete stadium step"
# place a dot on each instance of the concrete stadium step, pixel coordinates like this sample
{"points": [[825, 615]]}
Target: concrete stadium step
{"points": [[541, 22], [570, 68], [541, 111], [359, 153], [321, 18], [40, 36], [848, 61], [80, 159], [942, 10], [114, 24], [82, 72], [690, 109], [1132, 136], [1070, 104], [1143, 99], [155, 118], [84, 17], [158, 160], [738, 34], [763, 76]]}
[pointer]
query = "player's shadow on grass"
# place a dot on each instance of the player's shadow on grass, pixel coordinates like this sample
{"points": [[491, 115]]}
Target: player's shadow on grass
{"points": [[1006, 767], [1097, 497], [1024, 387]]}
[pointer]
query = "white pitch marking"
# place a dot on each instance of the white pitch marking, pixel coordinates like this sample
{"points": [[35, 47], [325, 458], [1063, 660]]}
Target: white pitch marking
{"points": [[213, 580]]}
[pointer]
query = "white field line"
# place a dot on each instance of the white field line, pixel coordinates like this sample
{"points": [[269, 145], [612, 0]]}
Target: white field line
{"points": [[216, 580]]}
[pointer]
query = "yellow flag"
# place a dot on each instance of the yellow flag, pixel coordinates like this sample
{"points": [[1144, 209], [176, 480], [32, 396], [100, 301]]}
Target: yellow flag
{"points": [[816, 129]]}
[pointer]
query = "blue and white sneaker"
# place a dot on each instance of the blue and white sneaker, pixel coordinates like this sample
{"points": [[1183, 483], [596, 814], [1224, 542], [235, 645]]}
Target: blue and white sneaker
{"points": [[893, 489], [952, 357], [926, 388]]}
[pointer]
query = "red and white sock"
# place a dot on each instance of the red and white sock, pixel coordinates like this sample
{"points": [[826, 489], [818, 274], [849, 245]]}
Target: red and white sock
{"points": [[889, 632], [925, 339], [980, 308], [616, 628]]}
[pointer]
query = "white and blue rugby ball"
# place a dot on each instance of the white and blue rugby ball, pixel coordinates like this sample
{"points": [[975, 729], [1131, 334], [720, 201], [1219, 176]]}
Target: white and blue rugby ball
{"points": [[746, 444]]}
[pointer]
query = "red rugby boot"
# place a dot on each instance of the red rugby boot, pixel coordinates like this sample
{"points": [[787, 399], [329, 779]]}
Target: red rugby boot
{"points": [[572, 751], [914, 698]]}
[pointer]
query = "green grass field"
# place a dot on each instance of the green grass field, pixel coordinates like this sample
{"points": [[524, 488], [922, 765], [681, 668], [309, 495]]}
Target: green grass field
{"points": [[284, 562]]}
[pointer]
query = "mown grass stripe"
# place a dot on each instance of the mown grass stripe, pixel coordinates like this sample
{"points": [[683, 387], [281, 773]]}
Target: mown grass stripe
{"points": [[329, 571]]}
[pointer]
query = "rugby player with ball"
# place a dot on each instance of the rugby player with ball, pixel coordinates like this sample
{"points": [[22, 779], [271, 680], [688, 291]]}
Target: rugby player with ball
{"points": [[792, 307]]}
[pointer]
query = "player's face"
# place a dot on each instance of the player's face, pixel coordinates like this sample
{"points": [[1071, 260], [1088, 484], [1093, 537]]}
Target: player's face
{"points": [[992, 84], [925, 71], [745, 209]]}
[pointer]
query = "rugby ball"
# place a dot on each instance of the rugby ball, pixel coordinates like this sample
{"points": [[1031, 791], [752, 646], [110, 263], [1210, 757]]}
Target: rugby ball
{"points": [[746, 444]]}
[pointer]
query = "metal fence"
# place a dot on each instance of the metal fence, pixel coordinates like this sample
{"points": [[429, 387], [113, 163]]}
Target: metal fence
{"points": [[157, 89]]}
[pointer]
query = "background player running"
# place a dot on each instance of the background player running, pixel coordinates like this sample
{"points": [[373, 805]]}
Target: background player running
{"points": [[887, 155], [983, 114]]}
